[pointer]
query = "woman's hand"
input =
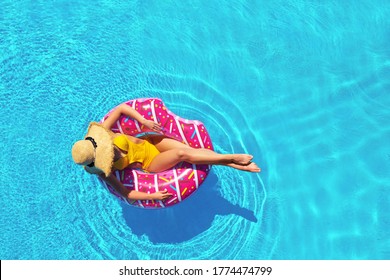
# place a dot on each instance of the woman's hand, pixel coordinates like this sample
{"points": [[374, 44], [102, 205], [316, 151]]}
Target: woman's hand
{"points": [[160, 195], [152, 125]]}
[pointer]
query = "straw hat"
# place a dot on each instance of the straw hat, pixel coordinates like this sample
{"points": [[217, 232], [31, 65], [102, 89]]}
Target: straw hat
{"points": [[96, 151]]}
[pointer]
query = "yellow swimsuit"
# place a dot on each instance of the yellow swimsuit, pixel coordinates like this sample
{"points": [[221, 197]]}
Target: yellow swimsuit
{"points": [[143, 152]]}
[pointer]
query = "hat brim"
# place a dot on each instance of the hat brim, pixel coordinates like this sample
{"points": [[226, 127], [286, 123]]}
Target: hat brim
{"points": [[104, 157]]}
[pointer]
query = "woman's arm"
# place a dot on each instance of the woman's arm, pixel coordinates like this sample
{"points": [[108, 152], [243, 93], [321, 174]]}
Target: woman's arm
{"points": [[127, 110], [134, 195]]}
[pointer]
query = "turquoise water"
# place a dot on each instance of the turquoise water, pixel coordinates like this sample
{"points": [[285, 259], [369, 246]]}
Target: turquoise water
{"points": [[302, 85]]}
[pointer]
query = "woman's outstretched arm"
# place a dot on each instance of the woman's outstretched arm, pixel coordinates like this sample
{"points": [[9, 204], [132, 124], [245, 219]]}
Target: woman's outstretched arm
{"points": [[127, 110], [131, 194]]}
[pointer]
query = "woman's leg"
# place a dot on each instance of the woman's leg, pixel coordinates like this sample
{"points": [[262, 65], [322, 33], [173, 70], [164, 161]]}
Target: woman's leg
{"points": [[164, 143], [173, 152]]}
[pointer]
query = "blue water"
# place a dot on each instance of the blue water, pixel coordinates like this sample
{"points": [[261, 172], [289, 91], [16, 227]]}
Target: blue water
{"points": [[302, 85]]}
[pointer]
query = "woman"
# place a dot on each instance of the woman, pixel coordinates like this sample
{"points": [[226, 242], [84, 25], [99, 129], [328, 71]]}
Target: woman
{"points": [[102, 152]]}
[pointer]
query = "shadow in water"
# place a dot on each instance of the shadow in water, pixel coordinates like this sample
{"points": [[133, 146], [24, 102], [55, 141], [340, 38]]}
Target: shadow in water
{"points": [[185, 220]]}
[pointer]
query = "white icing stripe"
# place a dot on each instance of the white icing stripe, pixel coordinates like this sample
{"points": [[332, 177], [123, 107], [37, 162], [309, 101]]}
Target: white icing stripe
{"points": [[135, 121], [119, 126], [181, 132], [176, 184], [170, 128], [198, 135], [136, 186], [156, 187], [195, 176], [153, 111], [173, 199]]}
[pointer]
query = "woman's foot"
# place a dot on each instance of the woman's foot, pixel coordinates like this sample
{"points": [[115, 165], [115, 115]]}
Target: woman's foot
{"points": [[251, 167], [242, 159]]}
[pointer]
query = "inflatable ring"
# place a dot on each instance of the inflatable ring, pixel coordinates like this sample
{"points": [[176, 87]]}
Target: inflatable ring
{"points": [[183, 179]]}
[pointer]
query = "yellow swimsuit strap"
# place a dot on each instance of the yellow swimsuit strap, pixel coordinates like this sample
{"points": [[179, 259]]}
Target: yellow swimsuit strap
{"points": [[143, 152], [121, 142]]}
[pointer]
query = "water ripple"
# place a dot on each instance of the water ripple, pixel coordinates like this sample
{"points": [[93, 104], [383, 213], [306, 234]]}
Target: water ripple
{"points": [[272, 80], [215, 232]]}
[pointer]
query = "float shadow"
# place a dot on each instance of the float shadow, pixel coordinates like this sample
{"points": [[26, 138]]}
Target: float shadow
{"points": [[185, 220]]}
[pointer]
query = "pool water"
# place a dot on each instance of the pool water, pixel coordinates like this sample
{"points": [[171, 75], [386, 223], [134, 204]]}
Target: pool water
{"points": [[302, 85]]}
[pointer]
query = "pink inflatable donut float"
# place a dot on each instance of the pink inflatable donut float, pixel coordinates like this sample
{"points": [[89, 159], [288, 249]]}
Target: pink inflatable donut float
{"points": [[183, 179]]}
